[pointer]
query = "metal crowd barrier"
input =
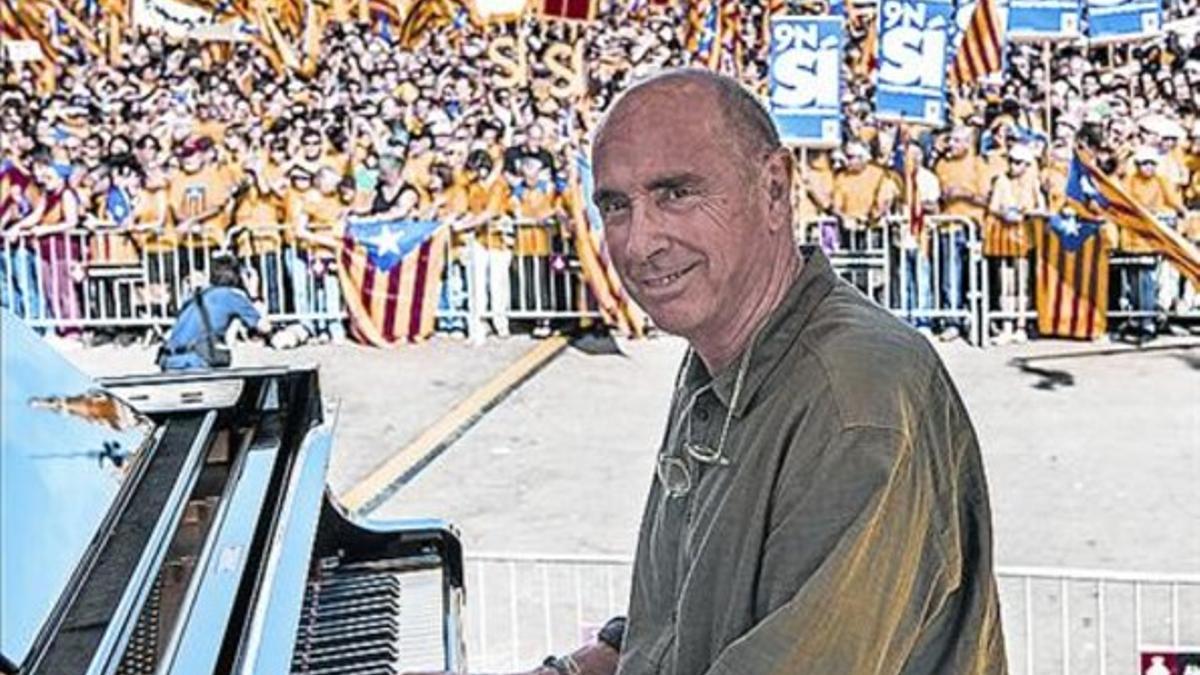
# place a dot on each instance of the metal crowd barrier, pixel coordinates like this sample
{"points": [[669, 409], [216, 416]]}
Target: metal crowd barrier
{"points": [[521, 607], [103, 277], [940, 274], [517, 269], [940, 281], [509, 269]]}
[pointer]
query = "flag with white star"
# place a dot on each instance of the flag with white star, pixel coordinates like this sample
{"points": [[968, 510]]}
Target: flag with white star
{"points": [[1072, 276], [391, 276]]}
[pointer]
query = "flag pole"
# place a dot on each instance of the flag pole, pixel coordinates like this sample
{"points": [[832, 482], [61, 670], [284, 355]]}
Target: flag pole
{"points": [[1049, 84]]}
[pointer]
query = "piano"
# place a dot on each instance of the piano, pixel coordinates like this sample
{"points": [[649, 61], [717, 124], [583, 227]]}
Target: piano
{"points": [[182, 524]]}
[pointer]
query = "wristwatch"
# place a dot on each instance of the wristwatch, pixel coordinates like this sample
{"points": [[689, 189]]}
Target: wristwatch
{"points": [[563, 665], [613, 633]]}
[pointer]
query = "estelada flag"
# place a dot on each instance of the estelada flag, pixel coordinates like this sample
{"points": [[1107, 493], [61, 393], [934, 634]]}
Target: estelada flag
{"points": [[1072, 276], [577, 10], [981, 48], [391, 278], [1097, 197]]}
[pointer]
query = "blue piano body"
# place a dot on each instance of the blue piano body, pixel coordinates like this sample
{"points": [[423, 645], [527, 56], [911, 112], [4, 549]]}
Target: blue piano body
{"points": [[182, 524]]}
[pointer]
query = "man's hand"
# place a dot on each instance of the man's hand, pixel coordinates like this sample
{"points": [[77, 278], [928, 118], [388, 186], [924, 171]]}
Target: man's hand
{"points": [[596, 658]]}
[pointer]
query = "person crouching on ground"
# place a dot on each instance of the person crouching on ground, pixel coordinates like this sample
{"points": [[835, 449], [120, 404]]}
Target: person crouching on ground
{"points": [[197, 340]]}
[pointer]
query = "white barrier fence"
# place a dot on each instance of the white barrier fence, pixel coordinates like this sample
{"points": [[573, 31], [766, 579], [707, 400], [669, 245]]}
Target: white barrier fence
{"points": [[517, 270], [104, 277], [521, 608]]}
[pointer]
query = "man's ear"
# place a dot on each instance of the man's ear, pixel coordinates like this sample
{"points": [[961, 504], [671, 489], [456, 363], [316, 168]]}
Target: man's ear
{"points": [[777, 175]]}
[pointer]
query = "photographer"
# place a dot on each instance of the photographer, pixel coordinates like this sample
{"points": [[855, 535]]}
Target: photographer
{"points": [[197, 340]]}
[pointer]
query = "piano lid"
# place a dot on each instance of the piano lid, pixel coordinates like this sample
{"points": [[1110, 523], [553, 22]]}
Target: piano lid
{"points": [[65, 447]]}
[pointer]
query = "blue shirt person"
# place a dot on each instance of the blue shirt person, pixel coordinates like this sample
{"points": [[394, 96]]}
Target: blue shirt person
{"points": [[224, 300]]}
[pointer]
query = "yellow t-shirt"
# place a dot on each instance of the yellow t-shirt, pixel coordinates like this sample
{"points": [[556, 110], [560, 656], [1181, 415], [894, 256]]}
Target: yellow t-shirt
{"points": [[820, 183], [535, 203], [967, 175], [190, 195], [1158, 196], [153, 209], [262, 215], [862, 194], [326, 217]]}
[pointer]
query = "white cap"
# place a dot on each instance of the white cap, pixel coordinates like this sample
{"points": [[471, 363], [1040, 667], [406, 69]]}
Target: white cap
{"points": [[1172, 129], [857, 149], [1145, 154], [1154, 123], [1021, 152]]}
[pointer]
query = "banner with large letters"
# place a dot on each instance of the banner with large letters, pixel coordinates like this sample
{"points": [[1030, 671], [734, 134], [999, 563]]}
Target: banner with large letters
{"points": [[1043, 19], [911, 78], [1123, 19], [805, 84], [184, 20]]}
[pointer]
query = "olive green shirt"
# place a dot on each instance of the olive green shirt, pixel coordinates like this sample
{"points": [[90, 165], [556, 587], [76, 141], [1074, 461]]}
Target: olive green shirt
{"points": [[850, 532]]}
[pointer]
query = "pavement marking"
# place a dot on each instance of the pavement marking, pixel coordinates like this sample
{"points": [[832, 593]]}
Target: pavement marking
{"points": [[368, 493]]}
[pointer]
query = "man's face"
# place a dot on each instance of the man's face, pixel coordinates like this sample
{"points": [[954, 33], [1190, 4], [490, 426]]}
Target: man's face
{"points": [[683, 223], [531, 168], [192, 162], [1017, 167], [1147, 169], [311, 147]]}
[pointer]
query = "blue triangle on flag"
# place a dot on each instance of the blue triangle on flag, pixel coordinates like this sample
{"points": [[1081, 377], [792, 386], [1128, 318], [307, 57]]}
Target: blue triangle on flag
{"points": [[1072, 233], [1080, 188], [389, 241]]}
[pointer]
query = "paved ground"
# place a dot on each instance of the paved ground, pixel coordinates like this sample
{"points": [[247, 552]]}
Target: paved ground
{"points": [[1093, 451]]}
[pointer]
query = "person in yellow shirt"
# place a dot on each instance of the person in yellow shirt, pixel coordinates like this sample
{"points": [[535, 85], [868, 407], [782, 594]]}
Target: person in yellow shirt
{"points": [[1191, 192], [200, 198], [812, 194], [863, 193], [1149, 284], [316, 214], [483, 197], [1015, 198], [259, 227], [535, 203], [962, 177]]}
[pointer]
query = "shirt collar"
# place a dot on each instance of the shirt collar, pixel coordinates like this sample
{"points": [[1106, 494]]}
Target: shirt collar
{"points": [[774, 339]]}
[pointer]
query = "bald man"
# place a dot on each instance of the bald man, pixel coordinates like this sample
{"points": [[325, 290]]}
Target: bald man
{"points": [[819, 504]]}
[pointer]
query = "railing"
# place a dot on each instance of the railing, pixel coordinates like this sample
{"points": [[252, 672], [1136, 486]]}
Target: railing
{"points": [[515, 269], [522, 607], [104, 277]]}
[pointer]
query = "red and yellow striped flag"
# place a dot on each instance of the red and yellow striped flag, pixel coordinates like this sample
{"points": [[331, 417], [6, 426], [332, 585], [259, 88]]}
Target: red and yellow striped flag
{"points": [[391, 278], [1099, 197], [981, 49], [1072, 276]]}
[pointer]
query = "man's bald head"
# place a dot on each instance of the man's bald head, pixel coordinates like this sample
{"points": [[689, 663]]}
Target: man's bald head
{"points": [[694, 189], [749, 124]]}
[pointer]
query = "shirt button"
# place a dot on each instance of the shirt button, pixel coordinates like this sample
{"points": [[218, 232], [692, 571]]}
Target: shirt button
{"points": [[702, 414]]}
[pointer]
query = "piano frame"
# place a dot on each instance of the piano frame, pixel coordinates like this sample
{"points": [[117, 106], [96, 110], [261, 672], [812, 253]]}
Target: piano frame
{"points": [[201, 564]]}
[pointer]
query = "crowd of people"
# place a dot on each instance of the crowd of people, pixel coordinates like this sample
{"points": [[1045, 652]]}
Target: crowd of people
{"points": [[178, 149]]}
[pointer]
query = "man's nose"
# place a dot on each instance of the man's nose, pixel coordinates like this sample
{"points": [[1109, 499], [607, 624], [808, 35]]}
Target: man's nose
{"points": [[645, 232]]}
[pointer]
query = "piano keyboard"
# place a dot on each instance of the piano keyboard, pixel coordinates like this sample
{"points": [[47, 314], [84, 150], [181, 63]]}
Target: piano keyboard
{"points": [[381, 617]]}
